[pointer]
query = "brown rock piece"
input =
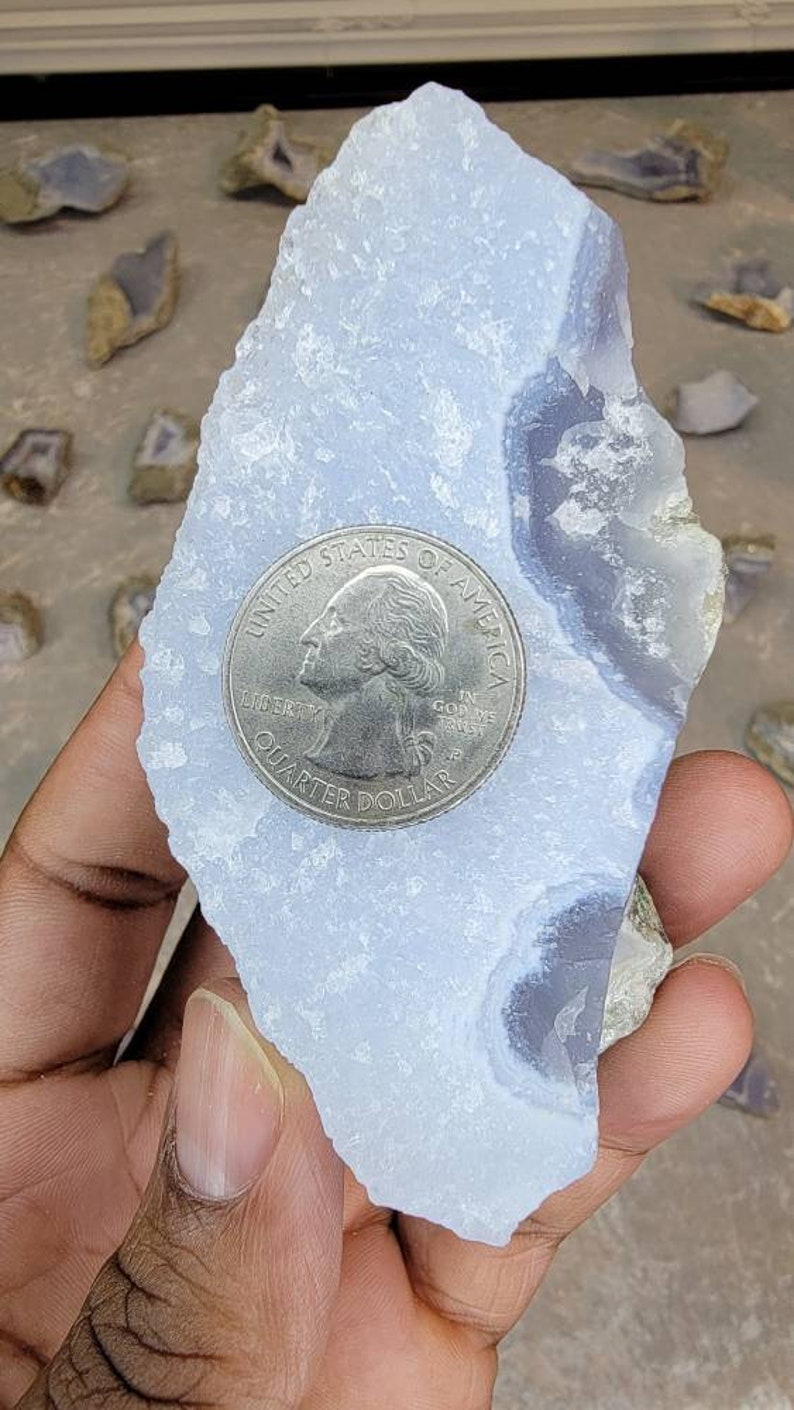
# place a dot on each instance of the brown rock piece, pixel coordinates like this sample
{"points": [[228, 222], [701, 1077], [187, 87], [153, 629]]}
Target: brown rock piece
{"points": [[752, 294], [767, 315], [21, 628], [268, 156], [36, 465], [165, 462], [770, 738], [81, 177], [754, 1090], [748, 560], [136, 297], [129, 605], [684, 163]]}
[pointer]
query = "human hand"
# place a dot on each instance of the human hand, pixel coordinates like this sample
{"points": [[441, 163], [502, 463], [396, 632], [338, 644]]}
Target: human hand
{"points": [[232, 1261]]}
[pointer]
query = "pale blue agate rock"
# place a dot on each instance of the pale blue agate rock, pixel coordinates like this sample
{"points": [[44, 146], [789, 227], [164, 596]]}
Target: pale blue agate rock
{"points": [[445, 345]]}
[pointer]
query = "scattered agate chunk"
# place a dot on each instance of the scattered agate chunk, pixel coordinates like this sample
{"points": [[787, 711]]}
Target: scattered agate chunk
{"points": [[130, 603], [21, 628], [682, 164], [268, 156], [754, 1090], [445, 347], [747, 560], [136, 297], [36, 465], [752, 294], [770, 738], [717, 403], [79, 178], [165, 462]]}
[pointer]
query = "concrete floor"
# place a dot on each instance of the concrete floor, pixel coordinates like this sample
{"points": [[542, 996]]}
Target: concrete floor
{"points": [[678, 1296]]}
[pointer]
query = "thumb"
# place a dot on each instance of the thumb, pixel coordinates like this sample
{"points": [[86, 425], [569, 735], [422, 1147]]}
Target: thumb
{"points": [[223, 1289]]}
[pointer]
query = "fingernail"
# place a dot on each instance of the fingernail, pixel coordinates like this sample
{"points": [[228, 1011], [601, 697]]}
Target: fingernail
{"points": [[718, 962], [229, 1100]]}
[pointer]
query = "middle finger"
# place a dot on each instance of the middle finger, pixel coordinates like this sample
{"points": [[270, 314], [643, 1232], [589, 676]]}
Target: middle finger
{"points": [[723, 827]]}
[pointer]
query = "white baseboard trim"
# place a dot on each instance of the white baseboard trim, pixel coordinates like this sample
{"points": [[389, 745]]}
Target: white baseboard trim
{"points": [[57, 37]]}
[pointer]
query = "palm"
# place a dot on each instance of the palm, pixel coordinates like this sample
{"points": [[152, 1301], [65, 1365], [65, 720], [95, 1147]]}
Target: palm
{"points": [[418, 1312], [387, 1347], [58, 1232], [77, 1177]]}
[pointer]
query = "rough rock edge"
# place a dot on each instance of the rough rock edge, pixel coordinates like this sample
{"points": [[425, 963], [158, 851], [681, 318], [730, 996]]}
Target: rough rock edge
{"points": [[642, 957]]}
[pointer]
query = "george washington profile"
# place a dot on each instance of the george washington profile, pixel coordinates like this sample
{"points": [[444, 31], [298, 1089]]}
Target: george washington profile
{"points": [[377, 646]]}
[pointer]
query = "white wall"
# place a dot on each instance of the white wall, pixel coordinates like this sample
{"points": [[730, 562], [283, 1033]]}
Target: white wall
{"points": [[56, 36]]}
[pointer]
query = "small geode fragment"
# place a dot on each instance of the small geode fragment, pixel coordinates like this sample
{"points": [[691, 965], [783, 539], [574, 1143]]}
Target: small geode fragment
{"points": [[642, 956], [748, 561], [716, 403], [753, 295], [36, 465], [267, 155], [770, 738], [754, 1090], [165, 462], [130, 603], [682, 164], [80, 178], [136, 297], [21, 628]]}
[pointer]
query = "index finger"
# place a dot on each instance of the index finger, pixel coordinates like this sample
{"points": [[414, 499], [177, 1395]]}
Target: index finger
{"points": [[87, 885]]}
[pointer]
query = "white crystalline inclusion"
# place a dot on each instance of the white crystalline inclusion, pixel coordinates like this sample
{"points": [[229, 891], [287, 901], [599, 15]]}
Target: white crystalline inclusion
{"points": [[168, 754], [453, 433], [576, 518]]}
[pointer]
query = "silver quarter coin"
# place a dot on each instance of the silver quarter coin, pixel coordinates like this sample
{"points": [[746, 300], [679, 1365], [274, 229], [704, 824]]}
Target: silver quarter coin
{"points": [[374, 676]]}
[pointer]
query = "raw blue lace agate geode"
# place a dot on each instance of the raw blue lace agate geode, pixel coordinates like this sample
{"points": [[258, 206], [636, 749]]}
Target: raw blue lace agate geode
{"points": [[445, 345]]}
